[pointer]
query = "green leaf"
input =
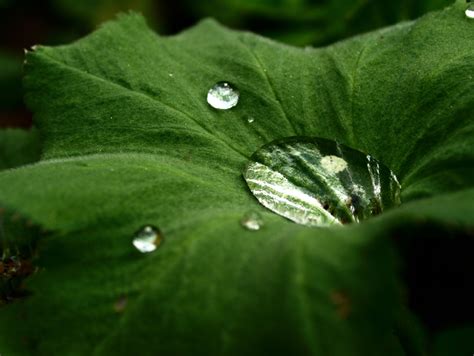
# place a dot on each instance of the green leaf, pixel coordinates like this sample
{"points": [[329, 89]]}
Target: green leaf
{"points": [[18, 147], [130, 140]]}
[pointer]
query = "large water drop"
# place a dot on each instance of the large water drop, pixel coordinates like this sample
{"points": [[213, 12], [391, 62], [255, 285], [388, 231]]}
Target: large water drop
{"points": [[319, 182], [223, 96]]}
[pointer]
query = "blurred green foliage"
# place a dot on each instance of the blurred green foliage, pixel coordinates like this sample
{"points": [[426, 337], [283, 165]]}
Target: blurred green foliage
{"points": [[4, 3], [10, 81], [94, 12], [299, 22], [457, 341], [304, 22]]}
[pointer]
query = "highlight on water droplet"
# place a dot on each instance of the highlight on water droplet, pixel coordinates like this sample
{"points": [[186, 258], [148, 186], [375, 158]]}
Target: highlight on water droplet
{"points": [[147, 239], [319, 182], [252, 221], [223, 96], [470, 10]]}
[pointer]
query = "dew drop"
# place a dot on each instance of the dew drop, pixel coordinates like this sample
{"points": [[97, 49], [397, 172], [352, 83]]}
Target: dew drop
{"points": [[147, 239], [319, 182], [470, 11], [250, 119], [252, 221], [223, 96]]}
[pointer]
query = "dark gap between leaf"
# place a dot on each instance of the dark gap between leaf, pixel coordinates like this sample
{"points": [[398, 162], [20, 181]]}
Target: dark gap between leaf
{"points": [[437, 270]]}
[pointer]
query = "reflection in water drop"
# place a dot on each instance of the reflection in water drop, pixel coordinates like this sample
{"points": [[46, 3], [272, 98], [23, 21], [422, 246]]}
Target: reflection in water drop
{"points": [[470, 11], [373, 167], [333, 164], [223, 96], [252, 221], [250, 119], [147, 239], [318, 182]]}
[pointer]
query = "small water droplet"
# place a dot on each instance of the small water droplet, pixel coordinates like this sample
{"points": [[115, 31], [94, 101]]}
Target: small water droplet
{"points": [[318, 182], [147, 239], [470, 10], [171, 75], [250, 119], [252, 221], [223, 96]]}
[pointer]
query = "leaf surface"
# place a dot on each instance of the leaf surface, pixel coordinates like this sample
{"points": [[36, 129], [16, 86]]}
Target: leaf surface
{"points": [[18, 147]]}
